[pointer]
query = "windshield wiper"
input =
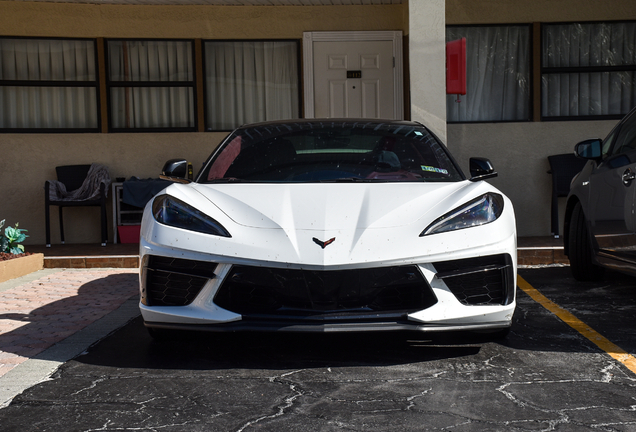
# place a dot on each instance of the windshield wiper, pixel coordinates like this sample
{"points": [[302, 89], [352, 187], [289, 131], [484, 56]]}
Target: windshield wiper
{"points": [[345, 180], [227, 180]]}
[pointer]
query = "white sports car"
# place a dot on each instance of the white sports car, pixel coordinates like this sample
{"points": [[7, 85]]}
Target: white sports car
{"points": [[329, 225]]}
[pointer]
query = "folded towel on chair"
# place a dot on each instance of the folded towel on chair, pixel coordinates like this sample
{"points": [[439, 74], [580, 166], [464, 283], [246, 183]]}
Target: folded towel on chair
{"points": [[97, 174]]}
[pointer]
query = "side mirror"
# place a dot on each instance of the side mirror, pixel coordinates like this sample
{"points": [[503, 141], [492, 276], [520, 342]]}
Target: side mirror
{"points": [[589, 149], [481, 169], [175, 170]]}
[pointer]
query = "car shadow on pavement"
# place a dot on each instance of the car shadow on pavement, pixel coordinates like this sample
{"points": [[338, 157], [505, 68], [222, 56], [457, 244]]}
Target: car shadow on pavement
{"points": [[49, 310], [132, 347]]}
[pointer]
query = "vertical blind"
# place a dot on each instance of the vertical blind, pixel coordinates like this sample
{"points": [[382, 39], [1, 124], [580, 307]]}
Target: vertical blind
{"points": [[47, 84], [250, 81], [151, 84], [588, 69], [498, 74]]}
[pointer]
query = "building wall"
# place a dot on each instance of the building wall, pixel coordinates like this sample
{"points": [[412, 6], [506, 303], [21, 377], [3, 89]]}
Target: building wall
{"points": [[519, 151], [28, 160], [427, 60], [18, 18], [529, 11]]}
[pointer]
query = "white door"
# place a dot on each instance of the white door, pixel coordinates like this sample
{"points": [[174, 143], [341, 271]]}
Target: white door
{"points": [[353, 79], [353, 75]]}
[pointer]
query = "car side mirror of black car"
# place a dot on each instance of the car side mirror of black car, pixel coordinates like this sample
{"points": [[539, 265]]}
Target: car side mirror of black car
{"points": [[175, 170], [481, 169], [589, 149]]}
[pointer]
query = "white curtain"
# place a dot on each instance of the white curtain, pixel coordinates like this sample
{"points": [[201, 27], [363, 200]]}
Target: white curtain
{"points": [[250, 81], [588, 45], [153, 62], [498, 74], [45, 61]]}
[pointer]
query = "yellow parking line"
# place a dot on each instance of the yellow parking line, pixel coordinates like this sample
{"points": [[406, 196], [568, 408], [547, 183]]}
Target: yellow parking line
{"points": [[599, 340]]}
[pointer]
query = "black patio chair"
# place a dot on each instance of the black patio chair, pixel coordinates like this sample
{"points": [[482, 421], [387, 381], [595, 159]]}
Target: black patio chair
{"points": [[73, 178], [563, 168]]}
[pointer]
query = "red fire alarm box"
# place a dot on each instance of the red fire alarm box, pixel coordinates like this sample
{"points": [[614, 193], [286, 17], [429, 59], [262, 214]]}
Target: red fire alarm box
{"points": [[456, 67]]}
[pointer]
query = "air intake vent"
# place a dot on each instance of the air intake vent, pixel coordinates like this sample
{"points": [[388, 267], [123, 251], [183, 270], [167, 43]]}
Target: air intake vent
{"points": [[175, 282], [479, 281], [289, 294]]}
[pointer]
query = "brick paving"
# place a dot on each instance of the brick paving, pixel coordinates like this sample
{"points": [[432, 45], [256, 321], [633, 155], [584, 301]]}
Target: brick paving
{"points": [[37, 314]]}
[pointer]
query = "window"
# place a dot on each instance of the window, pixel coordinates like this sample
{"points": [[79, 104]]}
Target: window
{"points": [[498, 74], [151, 85], [588, 70], [607, 144], [626, 140], [48, 85], [318, 151], [250, 81]]}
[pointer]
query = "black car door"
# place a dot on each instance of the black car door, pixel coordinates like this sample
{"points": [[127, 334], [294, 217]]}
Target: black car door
{"points": [[612, 194]]}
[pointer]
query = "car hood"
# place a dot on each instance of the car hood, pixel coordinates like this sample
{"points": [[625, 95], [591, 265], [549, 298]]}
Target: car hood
{"points": [[335, 206]]}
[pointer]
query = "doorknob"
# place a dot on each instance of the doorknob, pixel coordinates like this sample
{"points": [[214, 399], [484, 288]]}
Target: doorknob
{"points": [[628, 176]]}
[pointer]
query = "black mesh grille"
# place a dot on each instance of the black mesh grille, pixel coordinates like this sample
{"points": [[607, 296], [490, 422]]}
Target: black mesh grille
{"points": [[289, 293], [479, 281], [175, 282]]}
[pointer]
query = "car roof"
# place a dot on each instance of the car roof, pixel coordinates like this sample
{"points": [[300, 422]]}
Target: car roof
{"points": [[332, 120]]}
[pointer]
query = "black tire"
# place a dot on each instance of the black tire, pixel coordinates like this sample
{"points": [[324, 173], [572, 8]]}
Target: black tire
{"points": [[580, 250]]}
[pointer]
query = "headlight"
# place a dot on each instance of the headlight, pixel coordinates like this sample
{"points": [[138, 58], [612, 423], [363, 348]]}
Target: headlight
{"points": [[173, 212], [479, 211]]}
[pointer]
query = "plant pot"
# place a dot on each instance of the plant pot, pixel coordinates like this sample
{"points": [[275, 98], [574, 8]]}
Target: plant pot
{"points": [[21, 266]]}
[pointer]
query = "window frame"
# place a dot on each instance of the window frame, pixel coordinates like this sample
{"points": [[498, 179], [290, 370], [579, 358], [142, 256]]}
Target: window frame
{"points": [[206, 101], [58, 83], [531, 72], [112, 84], [545, 70], [629, 121]]}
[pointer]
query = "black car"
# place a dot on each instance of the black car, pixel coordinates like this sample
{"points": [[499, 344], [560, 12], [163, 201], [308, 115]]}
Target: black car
{"points": [[600, 219]]}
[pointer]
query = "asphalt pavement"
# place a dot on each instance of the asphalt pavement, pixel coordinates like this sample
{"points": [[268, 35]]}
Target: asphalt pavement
{"points": [[549, 374]]}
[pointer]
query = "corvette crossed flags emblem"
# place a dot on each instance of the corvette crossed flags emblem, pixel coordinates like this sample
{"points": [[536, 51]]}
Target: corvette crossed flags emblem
{"points": [[323, 244]]}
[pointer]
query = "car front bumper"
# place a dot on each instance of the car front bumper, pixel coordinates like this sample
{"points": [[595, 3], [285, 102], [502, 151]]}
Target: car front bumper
{"points": [[474, 292]]}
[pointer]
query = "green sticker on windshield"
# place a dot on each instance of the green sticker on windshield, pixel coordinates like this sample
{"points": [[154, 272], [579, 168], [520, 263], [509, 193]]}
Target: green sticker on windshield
{"points": [[435, 170]]}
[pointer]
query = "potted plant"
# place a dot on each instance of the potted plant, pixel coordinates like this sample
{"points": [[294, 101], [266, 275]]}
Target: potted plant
{"points": [[14, 262], [12, 236]]}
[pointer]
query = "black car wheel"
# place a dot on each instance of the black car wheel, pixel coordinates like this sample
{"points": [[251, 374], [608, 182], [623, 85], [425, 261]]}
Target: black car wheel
{"points": [[580, 249]]}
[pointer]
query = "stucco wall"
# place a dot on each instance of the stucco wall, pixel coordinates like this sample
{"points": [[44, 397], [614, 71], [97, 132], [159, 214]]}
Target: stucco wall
{"points": [[519, 153], [18, 18], [518, 150], [27, 160], [529, 11], [427, 61]]}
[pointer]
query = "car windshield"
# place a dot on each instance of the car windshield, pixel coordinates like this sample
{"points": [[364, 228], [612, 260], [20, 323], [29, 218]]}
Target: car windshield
{"points": [[301, 152]]}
